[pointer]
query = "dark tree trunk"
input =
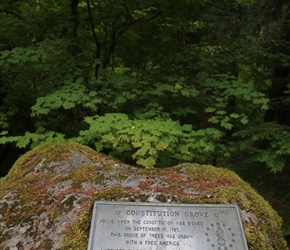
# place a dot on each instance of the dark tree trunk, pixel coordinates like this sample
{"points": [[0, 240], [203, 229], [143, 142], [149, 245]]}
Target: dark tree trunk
{"points": [[75, 24]]}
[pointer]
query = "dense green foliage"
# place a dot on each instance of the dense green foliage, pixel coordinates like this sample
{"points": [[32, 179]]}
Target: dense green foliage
{"points": [[151, 82], [156, 81]]}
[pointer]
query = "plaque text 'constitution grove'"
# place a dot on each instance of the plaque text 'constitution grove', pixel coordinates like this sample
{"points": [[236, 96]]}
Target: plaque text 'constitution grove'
{"points": [[143, 226]]}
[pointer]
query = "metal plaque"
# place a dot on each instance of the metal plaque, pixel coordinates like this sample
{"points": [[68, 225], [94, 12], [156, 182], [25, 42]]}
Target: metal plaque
{"points": [[143, 226]]}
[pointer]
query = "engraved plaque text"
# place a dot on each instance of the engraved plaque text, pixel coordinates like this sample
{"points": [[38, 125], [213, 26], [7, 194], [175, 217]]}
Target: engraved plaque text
{"points": [[143, 226]]}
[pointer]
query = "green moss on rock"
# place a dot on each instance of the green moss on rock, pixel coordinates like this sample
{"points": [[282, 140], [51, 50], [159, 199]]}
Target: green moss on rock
{"points": [[77, 236], [86, 173], [113, 193]]}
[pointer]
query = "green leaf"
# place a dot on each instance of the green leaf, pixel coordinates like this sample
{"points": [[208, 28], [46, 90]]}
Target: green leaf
{"points": [[244, 120], [24, 141], [210, 110], [178, 86], [221, 112], [214, 119], [234, 115], [147, 162], [68, 105]]}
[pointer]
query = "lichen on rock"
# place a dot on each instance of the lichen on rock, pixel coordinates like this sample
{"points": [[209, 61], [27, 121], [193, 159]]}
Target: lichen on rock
{"points": [[47, 197]]}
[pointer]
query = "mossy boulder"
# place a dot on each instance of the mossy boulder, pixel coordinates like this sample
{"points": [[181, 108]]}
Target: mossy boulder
{"points": [[47, 197]]}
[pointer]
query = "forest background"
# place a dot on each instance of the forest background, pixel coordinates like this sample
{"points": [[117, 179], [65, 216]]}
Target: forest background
{"points": [[153, 83]]}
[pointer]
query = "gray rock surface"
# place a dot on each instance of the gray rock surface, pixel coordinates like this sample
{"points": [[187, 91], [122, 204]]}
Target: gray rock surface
{"points": [[46, 199]]}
